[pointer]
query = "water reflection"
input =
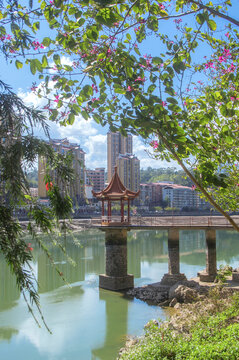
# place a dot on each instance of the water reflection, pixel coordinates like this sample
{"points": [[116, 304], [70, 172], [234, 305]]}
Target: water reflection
{"points": [[8, 289], [116, 324], [88, 323]]}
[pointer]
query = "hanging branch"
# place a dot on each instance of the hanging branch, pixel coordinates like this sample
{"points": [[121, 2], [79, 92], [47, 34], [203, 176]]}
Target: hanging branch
{"points": [[189, 174]]}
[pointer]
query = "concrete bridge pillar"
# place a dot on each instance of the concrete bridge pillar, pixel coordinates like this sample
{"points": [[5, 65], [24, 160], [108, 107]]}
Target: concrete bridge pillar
{"points": [[173, 275], [210, 273], [116, 277]]}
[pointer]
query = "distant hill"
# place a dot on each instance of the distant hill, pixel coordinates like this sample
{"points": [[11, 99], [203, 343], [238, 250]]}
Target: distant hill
{"points": [[164, 174]]}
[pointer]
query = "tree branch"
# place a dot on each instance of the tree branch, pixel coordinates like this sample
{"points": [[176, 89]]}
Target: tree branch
{"points": [[215, 12], [207, 195]]}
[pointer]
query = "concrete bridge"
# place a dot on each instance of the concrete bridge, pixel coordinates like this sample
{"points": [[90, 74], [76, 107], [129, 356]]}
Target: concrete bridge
{"points": [[116, 276]]}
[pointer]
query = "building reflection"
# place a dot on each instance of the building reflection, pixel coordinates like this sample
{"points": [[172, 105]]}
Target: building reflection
{"points": [[8, 287], [116, 325], [134, 255], [88, 258]]}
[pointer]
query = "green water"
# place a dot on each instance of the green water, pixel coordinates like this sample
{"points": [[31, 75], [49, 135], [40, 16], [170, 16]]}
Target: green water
{"points": [[88, 323]]}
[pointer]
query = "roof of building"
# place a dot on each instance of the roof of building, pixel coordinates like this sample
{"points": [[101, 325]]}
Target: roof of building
{"points": [[166, 185], [116, 190]]}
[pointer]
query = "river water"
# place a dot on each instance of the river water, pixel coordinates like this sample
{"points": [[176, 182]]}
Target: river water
{"points": [[88, 323]]}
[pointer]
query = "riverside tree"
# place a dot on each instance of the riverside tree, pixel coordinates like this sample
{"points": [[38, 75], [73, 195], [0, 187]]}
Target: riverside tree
{"points": [[183, 98], [19, 151], [167, 71]]}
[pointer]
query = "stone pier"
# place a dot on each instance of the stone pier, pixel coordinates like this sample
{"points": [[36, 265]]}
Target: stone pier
{"points": [[173, 275], [210, 273], [116, 277]]}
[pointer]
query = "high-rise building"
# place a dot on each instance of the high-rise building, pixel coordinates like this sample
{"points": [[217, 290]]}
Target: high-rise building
{"points": [[129, 171], [77, 188], [120, 154], [117, 144]]}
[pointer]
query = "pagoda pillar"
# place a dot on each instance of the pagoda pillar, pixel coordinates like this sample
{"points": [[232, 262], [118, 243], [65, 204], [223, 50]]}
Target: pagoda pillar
{"points": [[128, 212], [122, 209], [116, 276]]}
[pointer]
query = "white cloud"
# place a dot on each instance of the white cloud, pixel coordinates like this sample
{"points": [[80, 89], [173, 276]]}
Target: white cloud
{"points": [[64, 61], [92, 138], [144, 153]]}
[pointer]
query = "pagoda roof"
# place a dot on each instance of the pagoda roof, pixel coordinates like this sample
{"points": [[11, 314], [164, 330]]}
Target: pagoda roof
{"points": [[115, 190]]}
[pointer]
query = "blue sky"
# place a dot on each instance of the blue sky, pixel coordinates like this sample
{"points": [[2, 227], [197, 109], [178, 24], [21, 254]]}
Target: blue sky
{"points": [[91, 136]]}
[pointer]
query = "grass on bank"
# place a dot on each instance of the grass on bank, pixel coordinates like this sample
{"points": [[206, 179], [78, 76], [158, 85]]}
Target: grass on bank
{"points": [[205, 330]]}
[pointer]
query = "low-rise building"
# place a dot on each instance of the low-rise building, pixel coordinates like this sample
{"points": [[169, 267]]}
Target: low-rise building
{"points": [[96, 178]]}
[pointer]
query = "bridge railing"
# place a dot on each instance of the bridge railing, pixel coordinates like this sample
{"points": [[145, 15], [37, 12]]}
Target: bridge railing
{"points": [[181, 221]]}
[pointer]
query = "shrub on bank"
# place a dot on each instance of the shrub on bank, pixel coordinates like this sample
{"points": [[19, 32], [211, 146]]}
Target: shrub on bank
{"points": [[214, 336]]}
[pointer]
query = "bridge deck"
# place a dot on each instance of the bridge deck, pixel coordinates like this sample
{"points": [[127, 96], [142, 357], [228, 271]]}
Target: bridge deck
{"points": [[169, 222]]}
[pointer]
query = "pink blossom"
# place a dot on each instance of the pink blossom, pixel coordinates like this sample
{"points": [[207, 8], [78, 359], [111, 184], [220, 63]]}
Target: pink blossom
{"points": [[57, 99], [9, 37], [200, 82], [33, 88], [221, 59], [209, 65], [140, 79], [227, 34], [129, 88], [37, 45], [194, 187], [177, 21], [162, 7], [154, 144], [116, 24], [227, 52], [95, 88], [164, 103], [185, 103]]}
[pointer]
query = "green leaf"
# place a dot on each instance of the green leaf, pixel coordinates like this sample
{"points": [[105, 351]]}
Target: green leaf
{"points": [[212, 25], [151, 88], [71, 119], [128, 36], [57, 59], [33, 67], [18, 64], [200, 18], [46, 41], [172, 100], [137, 100], [157, 60], [44, 61]]}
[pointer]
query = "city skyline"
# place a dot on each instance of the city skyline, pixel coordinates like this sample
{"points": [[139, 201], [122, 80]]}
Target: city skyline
{"points": [[92, 137]]}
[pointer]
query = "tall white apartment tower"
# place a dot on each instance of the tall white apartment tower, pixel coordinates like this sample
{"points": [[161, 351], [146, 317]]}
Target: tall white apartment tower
{"points": [[120, 154], [117, 144]]}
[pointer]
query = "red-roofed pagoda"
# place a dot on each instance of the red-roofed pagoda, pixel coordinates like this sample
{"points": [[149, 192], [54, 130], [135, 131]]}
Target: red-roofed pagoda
{"points": [[115, 191]]}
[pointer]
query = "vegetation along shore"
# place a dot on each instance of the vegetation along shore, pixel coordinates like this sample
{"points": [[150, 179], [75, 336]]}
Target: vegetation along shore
{"points": [[206, 328]]}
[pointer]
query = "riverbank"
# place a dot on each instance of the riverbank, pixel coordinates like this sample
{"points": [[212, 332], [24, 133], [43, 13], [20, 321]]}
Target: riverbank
{"points": [[207, 328]]}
